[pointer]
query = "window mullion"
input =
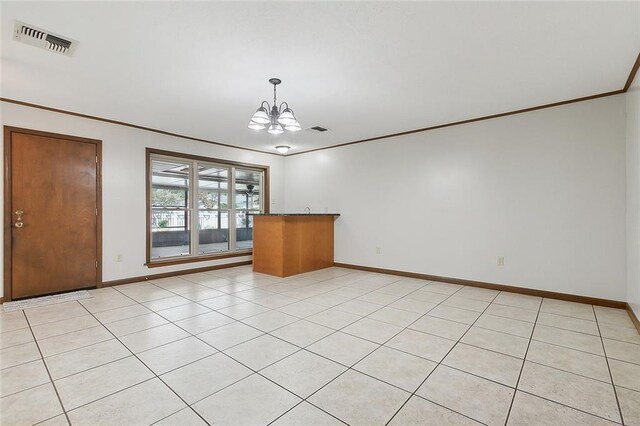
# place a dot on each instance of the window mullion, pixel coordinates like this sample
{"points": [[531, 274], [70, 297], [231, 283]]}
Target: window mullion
{"points": [[232, 209], [193, 208], [262, 192]]}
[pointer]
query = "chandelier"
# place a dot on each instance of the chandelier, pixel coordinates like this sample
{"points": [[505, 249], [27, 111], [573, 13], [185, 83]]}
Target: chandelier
{"points": [[275, 119]]}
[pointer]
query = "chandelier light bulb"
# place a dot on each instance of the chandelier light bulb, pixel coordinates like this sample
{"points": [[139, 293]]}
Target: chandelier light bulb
{"points": [[275, 129], [255, 126], [261, 116], [293, 127], [286, 118]]}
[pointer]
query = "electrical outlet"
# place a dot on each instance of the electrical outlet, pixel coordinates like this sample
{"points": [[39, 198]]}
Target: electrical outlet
{"points": [[501, 261], [378, 251], [118, 258]]}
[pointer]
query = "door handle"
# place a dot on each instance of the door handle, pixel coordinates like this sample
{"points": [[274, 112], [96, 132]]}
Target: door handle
{"points": [[19, 223]]}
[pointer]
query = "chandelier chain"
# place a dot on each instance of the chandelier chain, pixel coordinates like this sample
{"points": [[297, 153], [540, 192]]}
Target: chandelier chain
{"points": [[274, 94]]}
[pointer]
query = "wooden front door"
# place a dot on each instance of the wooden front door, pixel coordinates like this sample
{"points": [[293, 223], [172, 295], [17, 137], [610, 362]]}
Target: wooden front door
{"points": [[52, 206]]}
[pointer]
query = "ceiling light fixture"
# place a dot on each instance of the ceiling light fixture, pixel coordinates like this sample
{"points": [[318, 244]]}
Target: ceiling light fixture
{"points": [[275, 119], [283, 149]]}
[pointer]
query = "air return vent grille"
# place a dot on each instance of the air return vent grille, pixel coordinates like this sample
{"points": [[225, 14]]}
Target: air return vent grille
{"points": [[44, 39], [317, 129]]}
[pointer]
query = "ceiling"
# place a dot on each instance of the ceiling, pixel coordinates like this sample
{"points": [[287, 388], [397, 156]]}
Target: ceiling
{"points": [[360, 69]]}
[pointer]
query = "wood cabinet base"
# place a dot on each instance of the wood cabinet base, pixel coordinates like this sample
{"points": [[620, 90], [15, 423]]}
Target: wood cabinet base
{"points": [[290, 245]]}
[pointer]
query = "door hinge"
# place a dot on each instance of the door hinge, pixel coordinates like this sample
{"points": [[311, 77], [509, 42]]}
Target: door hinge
{"points": [[96, 212], [96, 264], [96, 159]]}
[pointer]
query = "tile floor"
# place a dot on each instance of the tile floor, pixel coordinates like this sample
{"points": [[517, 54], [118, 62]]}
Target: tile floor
{"points": [[329, 347]]}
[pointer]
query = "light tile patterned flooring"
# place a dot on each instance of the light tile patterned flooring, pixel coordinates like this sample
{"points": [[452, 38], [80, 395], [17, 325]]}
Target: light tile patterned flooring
{"points": [[329, 347]]}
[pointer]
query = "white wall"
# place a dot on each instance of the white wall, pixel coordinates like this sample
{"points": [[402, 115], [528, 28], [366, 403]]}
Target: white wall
{"points": [[544, 189], [123, 179], [633, 196]]}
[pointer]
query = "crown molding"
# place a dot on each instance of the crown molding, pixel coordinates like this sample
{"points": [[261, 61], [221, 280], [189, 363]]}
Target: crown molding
{"points": [[134, 126], [624, 89]]}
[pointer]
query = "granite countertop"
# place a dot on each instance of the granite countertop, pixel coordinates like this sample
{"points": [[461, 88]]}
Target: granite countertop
{"points": [[294, 214]]}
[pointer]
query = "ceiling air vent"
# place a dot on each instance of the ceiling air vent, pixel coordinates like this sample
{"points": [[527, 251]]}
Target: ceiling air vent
{"points": [[317, 129], [44, 39]]}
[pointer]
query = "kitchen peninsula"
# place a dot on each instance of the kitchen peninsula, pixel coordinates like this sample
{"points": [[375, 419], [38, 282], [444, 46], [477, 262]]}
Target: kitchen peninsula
{"points": [[292, 243]]}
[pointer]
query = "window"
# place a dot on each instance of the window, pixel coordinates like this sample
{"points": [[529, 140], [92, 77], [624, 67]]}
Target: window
{"points": [[201, 208]]}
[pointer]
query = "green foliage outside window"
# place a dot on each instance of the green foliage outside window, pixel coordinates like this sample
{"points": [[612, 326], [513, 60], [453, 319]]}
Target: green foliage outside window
{"points": [[169, 197]]}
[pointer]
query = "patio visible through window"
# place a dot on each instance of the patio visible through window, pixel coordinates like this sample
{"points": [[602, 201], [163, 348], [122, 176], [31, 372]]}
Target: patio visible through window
{"points": [[191, 211]]}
